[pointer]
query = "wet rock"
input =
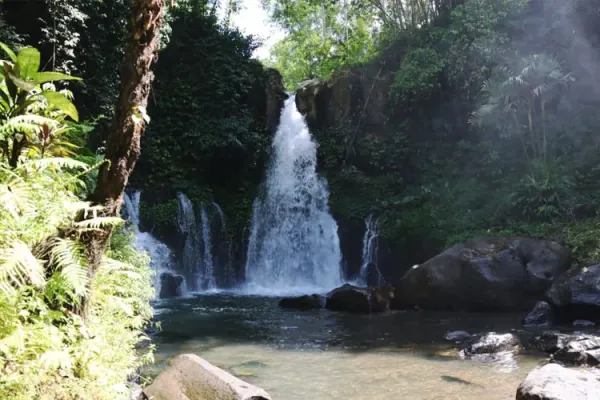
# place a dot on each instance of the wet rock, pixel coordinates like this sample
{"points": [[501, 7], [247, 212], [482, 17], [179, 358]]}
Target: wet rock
{"points": [[484, 274], [354, 299], [170, 285], [552, 341], [308, 302], [457, 336], [583, 322], [189, 377], [553, 382], [576, 295], [494, 343], [542, 315], [581, 351]]}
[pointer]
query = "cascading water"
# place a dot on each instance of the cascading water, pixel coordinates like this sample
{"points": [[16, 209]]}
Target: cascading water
{"points": [[223, 251], [197, 249], [160, 254], [369, 251], [294, 244], [191, 256], [210, 282]]}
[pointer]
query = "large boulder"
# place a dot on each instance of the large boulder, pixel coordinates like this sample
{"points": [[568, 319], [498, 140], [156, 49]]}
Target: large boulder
{"points": [[576, 295], [170, 285], [484, 274], [353, 299], [189, 377], [307, 302], [542, 315], [553, 382]]}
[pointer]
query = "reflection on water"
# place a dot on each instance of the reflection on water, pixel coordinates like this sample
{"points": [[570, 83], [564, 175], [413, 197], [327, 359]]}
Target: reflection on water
{"points": [[321, 355]]}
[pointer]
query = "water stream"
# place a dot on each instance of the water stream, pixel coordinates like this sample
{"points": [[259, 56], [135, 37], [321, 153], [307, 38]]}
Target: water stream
{"points": [[294, 244], [160, 254], [369, 252]]}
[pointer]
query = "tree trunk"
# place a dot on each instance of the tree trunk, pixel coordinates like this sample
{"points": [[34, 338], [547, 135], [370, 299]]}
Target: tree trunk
{"points": [[123, 143]]}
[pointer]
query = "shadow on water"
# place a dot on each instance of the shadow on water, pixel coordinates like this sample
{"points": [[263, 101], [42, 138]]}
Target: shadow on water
{"points": [[221, 319]]}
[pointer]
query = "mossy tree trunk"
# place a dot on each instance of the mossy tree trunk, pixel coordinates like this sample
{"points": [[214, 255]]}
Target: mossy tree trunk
{"points": [[123, 142]]}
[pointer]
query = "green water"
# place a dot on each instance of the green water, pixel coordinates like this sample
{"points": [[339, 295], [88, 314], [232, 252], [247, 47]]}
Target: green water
{"points": [[322, 355]]}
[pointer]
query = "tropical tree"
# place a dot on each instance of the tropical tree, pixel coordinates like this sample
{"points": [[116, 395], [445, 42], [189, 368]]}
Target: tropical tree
{"points": [[522, 93]]}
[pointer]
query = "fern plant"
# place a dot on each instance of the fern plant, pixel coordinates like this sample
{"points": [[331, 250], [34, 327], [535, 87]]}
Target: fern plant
{"points": [[33, 113]]}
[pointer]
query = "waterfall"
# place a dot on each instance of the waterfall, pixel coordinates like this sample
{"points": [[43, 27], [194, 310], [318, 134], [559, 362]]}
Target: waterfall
{"points": [[223, 254], [293, 244], [209, 272], [369, 250], [191, 256], [160, 254], [197, 249]]}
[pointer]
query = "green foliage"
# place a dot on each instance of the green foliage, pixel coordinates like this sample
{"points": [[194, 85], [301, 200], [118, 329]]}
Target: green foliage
{"points": [[322, 36], [46, 350], [418, 76]]}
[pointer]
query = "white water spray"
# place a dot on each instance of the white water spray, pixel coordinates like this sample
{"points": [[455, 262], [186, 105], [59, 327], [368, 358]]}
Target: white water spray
{"points": [[160, 254], [294, 244]]}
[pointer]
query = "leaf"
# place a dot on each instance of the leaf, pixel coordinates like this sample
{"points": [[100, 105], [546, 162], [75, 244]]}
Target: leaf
{"points": [[28, 62], [21, 83], [8, 51], [59, 101], [42, 77]]}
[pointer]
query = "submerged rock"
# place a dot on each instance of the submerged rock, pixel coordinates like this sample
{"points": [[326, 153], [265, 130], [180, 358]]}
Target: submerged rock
{"points": [[494, 343], [170, 285], [583, 322], [355, 299], [484, 274], [542, 315], [553, 382], [457, 336], [576, 295], [308, 302], [189, 377]]}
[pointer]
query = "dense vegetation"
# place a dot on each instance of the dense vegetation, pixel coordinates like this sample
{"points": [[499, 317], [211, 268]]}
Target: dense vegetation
{"points": [[471, 117], [47, 350]]}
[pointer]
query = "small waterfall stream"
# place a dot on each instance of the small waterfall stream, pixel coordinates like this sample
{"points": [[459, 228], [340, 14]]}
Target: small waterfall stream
{"points": [[294, 244], [210, 282], [370, 247], [160, 254]]}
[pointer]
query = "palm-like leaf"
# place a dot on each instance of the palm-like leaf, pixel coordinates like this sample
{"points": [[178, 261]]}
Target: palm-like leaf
{"points": [[19, 267], [67, 256]]}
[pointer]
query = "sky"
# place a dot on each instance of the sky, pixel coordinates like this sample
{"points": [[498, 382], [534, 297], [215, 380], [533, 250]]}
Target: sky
{"points": [[253, 20]]}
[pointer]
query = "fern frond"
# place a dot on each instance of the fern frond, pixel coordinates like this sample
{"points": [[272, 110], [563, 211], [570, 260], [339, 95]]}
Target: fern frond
{"points": [[19, 267], [67, 256], [57, 163], [98, 223], [27, 123]]}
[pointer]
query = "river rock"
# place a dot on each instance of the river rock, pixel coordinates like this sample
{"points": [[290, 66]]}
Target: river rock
{"points": [[170, 285], [457, 336], [542, 315], [581, 351], [189, 377], [484, 274], [308, 302], [494, 343], [552, 341], [354, 299], [576, 295], [553, 382]]}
